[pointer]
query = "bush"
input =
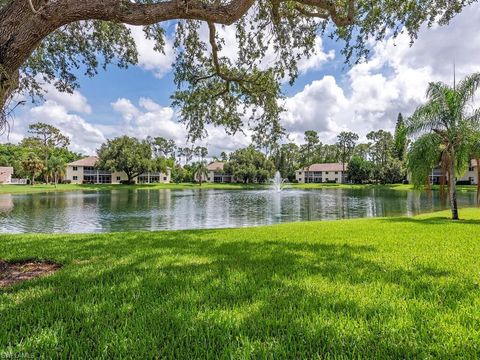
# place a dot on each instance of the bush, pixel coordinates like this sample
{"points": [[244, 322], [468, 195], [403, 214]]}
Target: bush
{"points": [[464, 182], [66, 181], [126, 182]]}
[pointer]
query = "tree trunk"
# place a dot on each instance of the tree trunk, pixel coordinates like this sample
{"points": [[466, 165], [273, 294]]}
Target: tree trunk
{"points": [[453, 189]]}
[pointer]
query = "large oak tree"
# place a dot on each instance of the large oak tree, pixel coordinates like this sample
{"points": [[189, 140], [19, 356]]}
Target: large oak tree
{"points": [[48, 40]]}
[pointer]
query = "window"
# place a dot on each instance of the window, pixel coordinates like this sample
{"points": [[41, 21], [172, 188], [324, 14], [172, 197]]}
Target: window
{"points": [[299, 179], [299, 173], [118, 178], [75, 178], [104, 179], [336, 172], [470, 168], [336, 179], [75, 168], [164, 178], [326, 172]]}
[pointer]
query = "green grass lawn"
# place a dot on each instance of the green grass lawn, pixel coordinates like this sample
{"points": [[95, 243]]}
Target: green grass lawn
{"points": [[402, 187], [26, 189], [368, 288]]}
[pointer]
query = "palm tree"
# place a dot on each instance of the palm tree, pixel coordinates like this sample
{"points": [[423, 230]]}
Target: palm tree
{"points": [[56, 167], [32, 165], [201, 170], [445, 124]]}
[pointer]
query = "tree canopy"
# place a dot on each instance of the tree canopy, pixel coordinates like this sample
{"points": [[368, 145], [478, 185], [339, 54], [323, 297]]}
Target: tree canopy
{"points": [[249, 165], [45, 41], [127, 154]]}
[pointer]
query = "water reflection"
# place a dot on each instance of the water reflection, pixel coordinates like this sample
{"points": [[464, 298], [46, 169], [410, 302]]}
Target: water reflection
{"points": [[123, 210]]}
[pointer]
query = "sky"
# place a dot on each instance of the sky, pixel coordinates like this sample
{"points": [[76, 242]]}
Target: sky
{"points": [[328, 97]]}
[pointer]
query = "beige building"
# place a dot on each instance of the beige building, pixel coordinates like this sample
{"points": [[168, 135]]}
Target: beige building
{"points": [[216, 174], [470, 175], [84, 171], [6, 173], [322, 173]]}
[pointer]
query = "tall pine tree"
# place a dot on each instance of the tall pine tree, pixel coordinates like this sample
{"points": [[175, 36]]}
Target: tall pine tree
{"points": [[400, 139]]}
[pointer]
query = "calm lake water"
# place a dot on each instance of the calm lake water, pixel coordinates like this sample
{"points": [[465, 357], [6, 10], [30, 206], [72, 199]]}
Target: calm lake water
{"points": [[123, 210]]}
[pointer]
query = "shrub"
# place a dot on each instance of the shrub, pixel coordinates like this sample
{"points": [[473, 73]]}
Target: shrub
{"points": [[126, 182]]}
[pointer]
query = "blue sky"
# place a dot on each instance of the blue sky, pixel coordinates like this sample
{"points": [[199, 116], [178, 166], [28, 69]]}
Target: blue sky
{"points": [[328, 96]]}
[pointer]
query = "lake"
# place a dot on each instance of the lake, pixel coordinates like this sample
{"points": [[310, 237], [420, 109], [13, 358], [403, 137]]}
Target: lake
{"points": [[150, 209]]}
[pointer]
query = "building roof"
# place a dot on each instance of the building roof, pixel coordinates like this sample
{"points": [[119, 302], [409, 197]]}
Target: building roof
{"points": [[215, 166], [87, 161], [325, 167]]}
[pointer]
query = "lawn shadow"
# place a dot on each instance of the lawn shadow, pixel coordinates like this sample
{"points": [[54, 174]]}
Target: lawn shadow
{"points": [[191, 294], [437, 220]]}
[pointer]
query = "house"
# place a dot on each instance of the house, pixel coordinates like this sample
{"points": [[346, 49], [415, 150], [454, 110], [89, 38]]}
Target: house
{"points": [[469, 177], [318, 173], [84, 171], [6, 173], [216, 174]]}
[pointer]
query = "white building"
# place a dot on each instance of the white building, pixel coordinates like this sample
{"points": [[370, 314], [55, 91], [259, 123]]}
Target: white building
{"points": [[215, 174], [6, 173], [470, 176], [84, 171], [322, 173]]}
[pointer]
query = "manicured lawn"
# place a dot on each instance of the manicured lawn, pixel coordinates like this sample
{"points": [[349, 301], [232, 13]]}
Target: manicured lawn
{"points": [[370, 288], [16, 189], [402, 187]]}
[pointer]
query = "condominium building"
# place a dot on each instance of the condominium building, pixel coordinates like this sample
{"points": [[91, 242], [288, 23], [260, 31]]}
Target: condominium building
{"points": [[469, 177], [216, 174], [84, 171], [6, 173], [318, 173]]}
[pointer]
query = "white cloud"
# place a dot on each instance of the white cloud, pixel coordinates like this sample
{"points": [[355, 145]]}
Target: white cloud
{"points": [[318, 59], [394, 80], [126, 108], [149, 118], [59, 111], [316, 107], [148, 58], [85, 138], [74, 102]]}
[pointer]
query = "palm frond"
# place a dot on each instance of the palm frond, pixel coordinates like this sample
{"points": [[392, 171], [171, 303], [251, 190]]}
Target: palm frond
{"points": [[423, 156], [467, 88], [425, 118]]}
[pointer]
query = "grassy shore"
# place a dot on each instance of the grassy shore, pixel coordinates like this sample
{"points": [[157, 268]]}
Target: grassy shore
{"points": [[368, 288], [27, 189]]}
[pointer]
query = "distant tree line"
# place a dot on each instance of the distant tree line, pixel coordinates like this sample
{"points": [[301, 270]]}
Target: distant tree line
{"points": [[379, 160], [42, 156]]}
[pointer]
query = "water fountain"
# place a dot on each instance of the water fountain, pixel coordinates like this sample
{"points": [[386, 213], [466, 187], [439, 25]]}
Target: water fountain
{"points": [[277, 182]]}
